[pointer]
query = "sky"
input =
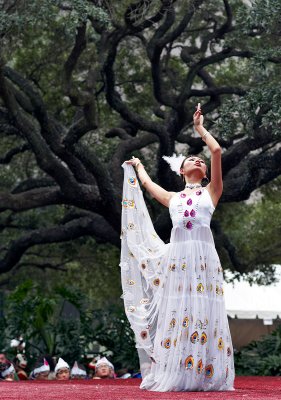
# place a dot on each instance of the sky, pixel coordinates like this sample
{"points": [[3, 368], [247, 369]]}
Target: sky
{"points": [[252, 300]]}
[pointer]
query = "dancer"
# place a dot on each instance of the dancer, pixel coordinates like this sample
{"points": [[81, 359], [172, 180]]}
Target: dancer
{"points": [[173, 293]]}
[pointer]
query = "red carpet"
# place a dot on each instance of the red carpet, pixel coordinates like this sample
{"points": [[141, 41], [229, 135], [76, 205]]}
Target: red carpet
{"points": [[247, 388]]}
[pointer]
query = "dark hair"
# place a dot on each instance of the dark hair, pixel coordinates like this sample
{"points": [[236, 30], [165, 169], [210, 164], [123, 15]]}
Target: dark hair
{"points": [[204, 180]]}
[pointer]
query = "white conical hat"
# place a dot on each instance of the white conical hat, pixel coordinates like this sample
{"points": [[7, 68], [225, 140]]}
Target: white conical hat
{"points": [[45, 367], [77, 371], [104, 360], [61, 364], [8, 371]]}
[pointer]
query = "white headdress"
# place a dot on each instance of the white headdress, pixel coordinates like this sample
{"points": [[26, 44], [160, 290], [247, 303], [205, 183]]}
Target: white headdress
{"points": [[175, 162], [8, 371], [61, 364], [104, 360], [77, 371], [43, 368]]}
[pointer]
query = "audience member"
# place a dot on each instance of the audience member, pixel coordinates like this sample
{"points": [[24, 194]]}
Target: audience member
{"points": [[104, 369], [41, 370], [78, 372], [62, 370]]}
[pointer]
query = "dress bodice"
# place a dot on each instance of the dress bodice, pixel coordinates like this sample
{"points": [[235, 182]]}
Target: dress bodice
{"points": [[189, 212]]}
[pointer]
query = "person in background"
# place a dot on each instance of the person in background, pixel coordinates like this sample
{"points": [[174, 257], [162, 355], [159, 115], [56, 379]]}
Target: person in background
{"points": [[78, 372], [20, 363], [41, 370], [62, 370], [3, 364], [104, 369], [8, 372]]}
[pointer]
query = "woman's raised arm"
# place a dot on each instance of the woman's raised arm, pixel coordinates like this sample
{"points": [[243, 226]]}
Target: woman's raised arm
{"points": [[156, 191], [215, 186]]}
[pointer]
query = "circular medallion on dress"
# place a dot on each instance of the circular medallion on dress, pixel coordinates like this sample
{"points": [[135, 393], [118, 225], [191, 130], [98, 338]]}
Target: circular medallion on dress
{"points": [[185, 322], [172, 267], [189, 202], [132, 181], [144, 301], [143, 266], [183, 267], [199, 366], [198, 192], [156, 282], [131, 226], [228, 351], [209, 371], [186, 213], [173, 323], [131, 282], [203, 338], [167, 343], [131, 309], [183, 195], [189, 362], [194, 337], [143, 334], [220, 344], [200, 288]]}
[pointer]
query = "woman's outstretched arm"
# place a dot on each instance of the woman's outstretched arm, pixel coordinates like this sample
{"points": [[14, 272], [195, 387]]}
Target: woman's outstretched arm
{"points": [[156, 191], [215, 186]]}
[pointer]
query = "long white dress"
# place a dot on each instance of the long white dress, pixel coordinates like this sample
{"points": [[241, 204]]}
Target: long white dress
{"points": [[173, 294]]}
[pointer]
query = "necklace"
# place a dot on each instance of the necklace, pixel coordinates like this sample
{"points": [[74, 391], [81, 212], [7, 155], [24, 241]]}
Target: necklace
{"points": [[193, 185]]}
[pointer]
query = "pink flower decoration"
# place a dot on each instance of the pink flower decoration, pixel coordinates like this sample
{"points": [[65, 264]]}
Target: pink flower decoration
{"points": [[189, 225], [192, 213], [186, 213], [198, 192], [189, 202], [183, 195]]}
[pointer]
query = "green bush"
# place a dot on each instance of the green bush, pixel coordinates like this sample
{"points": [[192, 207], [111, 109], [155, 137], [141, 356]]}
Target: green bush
{"points": [[59, 322], [261, 357]]}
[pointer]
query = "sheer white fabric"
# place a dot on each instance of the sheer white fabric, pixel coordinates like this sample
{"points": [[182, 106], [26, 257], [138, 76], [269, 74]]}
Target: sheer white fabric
{"points": [[173, 294]]}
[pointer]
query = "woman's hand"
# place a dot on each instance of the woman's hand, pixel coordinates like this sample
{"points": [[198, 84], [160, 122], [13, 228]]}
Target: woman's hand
{"points": [[133, 161], [198, 118]]}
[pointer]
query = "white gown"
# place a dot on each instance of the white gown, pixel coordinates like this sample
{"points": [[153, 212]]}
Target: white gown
{"points": [[173, 294]]}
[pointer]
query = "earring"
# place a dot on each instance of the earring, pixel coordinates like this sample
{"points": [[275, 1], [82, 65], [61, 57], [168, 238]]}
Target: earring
{"points": [[205, 181]]}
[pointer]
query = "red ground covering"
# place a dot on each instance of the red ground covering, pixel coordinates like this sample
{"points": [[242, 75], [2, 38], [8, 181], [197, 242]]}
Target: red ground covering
{"points": [[247, 388]]}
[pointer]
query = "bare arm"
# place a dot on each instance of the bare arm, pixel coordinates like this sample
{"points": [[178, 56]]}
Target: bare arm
{"points": [[156, 191], [215, 186]]}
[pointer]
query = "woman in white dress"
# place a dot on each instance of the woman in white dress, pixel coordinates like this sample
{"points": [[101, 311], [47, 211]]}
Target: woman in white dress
{"points": [[173, 293]]}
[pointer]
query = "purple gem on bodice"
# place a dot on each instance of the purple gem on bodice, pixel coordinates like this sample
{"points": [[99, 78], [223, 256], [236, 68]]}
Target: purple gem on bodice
{"points": [[186, 213], [192, 213], [189, 202], [198, 192], [183, 195], [189, 225]]}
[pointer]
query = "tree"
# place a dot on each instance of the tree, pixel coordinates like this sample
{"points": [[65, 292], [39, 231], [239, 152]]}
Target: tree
{"points": [[94, 82]]}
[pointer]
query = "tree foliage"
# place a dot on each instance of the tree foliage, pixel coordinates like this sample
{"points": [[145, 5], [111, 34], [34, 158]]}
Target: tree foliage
{"points": [[63, 323], [86, 84]]}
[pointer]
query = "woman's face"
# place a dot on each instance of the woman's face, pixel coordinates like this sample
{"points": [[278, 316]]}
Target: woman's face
{"points": [[194, 164]]}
